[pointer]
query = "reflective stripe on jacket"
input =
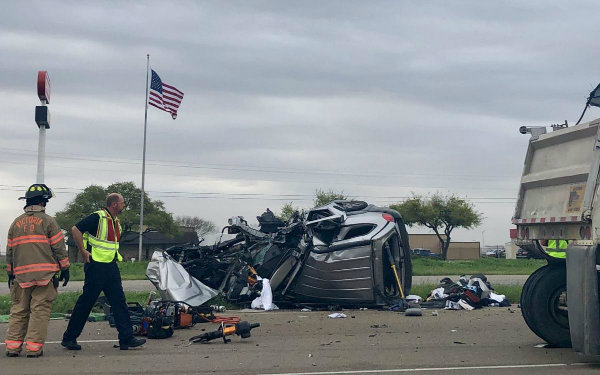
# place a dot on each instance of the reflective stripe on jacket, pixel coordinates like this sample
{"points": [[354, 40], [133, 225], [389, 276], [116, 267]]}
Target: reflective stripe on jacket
{"points": [[35, 248], [105, 245]]}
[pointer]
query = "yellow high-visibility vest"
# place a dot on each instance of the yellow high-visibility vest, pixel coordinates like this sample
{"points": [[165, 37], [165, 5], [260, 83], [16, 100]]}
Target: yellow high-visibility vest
{"points": [[562, 246], [105, 245]]}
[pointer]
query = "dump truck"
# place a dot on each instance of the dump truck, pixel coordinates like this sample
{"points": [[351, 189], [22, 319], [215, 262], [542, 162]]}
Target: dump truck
{"points": [[559, 199]]}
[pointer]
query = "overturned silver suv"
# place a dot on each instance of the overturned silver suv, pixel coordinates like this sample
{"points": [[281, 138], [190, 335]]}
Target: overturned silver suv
{"points": [[348, 253]]}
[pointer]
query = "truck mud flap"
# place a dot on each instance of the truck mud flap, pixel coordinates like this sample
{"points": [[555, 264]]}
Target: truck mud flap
{"points": [[582, 297]]}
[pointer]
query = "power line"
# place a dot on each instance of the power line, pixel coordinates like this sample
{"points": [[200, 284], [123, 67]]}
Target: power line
{"points": [[257, 196], [303, 181], [246, 168]]}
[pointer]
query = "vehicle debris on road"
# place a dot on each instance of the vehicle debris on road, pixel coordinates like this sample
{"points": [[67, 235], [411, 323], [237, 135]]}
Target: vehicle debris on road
{"points": [[465, 294]]}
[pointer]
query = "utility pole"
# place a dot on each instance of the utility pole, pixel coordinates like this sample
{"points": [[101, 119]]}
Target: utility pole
{"points": [[140, 238], [482, 240]]}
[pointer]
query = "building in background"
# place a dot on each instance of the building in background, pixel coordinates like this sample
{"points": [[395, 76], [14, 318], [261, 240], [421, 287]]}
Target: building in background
{"points": [[457, 250], [511, 247]]}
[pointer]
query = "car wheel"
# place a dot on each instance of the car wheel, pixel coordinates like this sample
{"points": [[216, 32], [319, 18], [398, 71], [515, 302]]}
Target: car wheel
{"points": [[543, 304]]}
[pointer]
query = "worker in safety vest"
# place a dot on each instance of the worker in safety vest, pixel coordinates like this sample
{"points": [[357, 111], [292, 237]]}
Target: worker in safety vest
{"points": [[553, 251], [97, 237], [35, 253]]}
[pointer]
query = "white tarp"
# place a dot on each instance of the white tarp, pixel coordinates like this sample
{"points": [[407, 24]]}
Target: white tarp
{"points": [[174, 283]]}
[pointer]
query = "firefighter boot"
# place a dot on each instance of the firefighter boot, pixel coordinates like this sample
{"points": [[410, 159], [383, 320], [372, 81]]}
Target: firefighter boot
{"points": [[35, 355]]}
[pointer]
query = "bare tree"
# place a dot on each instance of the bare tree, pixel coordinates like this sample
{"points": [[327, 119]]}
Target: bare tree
{"points": [[201, 226]]}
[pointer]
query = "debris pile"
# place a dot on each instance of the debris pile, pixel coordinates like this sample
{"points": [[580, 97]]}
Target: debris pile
{"points": [[467, 293]]}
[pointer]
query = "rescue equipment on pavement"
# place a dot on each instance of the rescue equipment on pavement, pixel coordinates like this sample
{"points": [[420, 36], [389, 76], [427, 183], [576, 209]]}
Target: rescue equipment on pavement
{"points": [[159, 318], [241, 329]]}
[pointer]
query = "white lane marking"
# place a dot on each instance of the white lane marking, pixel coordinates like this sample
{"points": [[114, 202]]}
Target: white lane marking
{"points": [[419, 369], [78, 341]]}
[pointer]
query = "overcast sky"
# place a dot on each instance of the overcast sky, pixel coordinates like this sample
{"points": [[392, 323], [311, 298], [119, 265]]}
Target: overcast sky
{"points": [[377, 100]]}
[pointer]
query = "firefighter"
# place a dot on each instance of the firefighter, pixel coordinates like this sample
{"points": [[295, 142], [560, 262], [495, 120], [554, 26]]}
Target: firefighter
{"points": [[35, 252], [97, 237]]}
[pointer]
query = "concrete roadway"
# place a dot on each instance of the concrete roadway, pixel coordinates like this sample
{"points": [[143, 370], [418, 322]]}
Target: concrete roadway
{"points": [[145, 285], [486, 341]]}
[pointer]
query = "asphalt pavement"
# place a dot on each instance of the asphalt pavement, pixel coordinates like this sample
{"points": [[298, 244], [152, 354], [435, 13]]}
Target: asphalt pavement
{"points": [[292, 342], [146, 285]]}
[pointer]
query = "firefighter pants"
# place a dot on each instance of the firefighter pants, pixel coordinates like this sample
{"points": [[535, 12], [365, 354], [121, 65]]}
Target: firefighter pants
{"points": [[29, 317], [101, 277]]}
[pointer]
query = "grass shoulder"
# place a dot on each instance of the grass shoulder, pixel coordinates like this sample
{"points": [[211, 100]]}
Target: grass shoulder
{"points": [[487, 266], [129, 271]]}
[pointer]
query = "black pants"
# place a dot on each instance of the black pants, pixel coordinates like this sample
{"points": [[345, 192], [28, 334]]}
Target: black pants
{"points": [[101, 277]]}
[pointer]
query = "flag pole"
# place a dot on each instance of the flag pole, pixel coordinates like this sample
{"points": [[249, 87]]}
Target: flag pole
{"points": [[144, 163]]}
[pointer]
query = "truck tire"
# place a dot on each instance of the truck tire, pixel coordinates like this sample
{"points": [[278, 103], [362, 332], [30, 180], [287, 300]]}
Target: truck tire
{"points": [[525, 299], [540, 305]]}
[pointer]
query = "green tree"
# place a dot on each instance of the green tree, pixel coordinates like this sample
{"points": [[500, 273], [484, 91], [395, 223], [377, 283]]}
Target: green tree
{"points": [[323, 197], [201, 226], [93, 198], [287, 211], [441, 214]]}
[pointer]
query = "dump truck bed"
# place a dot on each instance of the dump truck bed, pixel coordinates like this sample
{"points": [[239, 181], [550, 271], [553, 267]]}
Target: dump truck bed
{"points": [[558, 185]]}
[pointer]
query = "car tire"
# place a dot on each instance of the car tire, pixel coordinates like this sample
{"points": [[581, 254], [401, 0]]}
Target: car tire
{"points": [[539, 305]]}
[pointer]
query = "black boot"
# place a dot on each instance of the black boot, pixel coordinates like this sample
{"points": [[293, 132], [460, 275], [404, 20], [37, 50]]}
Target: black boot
{"points": [[71, 344], [133, 343]]}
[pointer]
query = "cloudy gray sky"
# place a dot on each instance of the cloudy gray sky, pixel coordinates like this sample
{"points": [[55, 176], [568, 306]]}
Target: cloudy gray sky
{"points": [[375, 99]]}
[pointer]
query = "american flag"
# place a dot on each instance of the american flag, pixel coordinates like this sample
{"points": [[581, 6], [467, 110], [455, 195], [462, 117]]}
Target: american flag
{"points": [[164, 97]]}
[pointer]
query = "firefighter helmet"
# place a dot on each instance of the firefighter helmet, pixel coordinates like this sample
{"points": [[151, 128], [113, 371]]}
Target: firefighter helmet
{"points": [[38, 191]]}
